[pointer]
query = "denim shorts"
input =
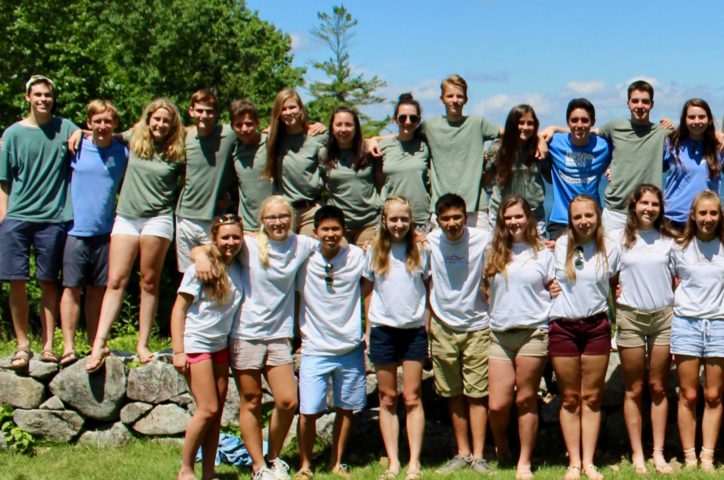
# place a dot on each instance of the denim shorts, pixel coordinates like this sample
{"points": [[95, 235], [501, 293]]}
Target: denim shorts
{"points": [[47, 240], [390, 345], [349, 385], [697, 337]]}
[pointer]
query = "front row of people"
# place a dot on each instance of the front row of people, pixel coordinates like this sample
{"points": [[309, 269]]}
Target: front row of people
{"points": [[494, 308]]}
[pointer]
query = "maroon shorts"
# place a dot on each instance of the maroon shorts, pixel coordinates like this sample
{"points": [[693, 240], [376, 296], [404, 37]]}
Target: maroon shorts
{"points": [[575, 337], [221, 357]]}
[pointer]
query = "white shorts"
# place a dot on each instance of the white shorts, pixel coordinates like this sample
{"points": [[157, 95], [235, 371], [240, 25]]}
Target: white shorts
{"points": [[189, 234], [613, 220], [160, 226]]}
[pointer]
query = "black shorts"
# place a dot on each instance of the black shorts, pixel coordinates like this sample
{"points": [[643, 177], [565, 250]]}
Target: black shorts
{"points": [[390, 345], [85, 261]]}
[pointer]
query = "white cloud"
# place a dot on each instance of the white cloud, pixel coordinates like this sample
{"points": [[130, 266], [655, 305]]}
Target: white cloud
{"points": [[300, 41], [586, 88]]}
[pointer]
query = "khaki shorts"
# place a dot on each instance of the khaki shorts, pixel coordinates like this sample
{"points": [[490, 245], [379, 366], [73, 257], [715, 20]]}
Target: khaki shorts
{"points": [[460, 361], [524, 342], [257, 354], [638, 329], [304, 220]]}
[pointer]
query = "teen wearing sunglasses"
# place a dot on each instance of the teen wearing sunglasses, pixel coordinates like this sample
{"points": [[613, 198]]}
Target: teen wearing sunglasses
{"points": [[406, 162]]}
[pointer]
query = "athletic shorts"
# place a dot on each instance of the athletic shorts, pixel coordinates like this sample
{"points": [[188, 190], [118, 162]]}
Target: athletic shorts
{"points": [[390, 345], [160, 226], [349, 381], [575, 337], [47, 240], [219, 358], [85, 261]]}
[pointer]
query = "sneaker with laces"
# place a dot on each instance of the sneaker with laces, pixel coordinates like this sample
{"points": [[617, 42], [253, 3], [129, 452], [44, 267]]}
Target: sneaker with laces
{"points": [[263, 474], [481, 466], [456, 463], [280, 469]]}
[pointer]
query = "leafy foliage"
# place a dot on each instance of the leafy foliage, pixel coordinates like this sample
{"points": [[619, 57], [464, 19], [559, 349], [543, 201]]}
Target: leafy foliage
{"points": [[135, 50], [16, 438], [344, 87]]}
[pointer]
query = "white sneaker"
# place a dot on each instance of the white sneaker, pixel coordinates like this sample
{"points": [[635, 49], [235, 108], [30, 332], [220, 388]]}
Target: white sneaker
{"points": [[263, 473], [279, 469]]}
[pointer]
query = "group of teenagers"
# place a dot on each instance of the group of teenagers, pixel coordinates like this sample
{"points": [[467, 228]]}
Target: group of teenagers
{"points": [[414, 245]]}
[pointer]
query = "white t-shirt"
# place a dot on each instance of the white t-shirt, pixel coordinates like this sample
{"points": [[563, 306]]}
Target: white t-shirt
{"points": [[399, 297], [208, 323], [457, 270], [268, 310], [519, 298], [588, 295], [701, 268], [646, 271], [330, 316]]}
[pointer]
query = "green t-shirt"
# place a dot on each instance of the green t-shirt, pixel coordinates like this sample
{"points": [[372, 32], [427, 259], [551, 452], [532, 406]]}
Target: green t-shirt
{"points": [[300, 180], [150, 187], [405, 166], [457, 157], [249, 162], [636, 159], [208, 173], [352, 191], [528, 181], [35, 164]]}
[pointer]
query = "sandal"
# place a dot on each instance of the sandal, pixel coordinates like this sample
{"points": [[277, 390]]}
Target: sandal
{"points": [[341, 470], [95, 363], [573, 473], [21, 358], [304, 475], [413, 475], [661, 466], [388, 475], [690, 460], [48, 356], [68, 359], [639, 468], [526, 474], [706, 460], [592, 473]]}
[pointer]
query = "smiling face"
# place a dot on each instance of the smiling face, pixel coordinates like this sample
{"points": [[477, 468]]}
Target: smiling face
{"points": [[277, 221], [515, 222], [102, 126], [408, 118], [40, 98], [204, 116], [526, 127], [160, 123], [397, 218], [330, 233], [706, 215], [452, 222], [640, 105], [697, 122], [343, 129], [648, 209], [246, 128], [584, 219], [228, 240], [454, 99], [291, 115], [580, 123]]}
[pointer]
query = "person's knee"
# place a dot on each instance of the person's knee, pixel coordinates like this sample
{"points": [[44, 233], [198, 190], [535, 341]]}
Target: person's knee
{"points": [[207, 412], [712, 397], [117, 281], [388, 398], [286, 403], [251, 401], [635, 390], [149, 282], [688, 397], [592, 399], [412, 399], [526, 402], [571, 401], [657, 389]]}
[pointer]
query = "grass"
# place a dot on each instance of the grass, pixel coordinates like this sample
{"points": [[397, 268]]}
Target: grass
{"points": [[155, 459]]}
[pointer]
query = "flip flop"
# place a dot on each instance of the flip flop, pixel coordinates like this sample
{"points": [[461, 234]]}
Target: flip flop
{"points": [[68, 359], [95, 363], [48, 356], [21, 358]]}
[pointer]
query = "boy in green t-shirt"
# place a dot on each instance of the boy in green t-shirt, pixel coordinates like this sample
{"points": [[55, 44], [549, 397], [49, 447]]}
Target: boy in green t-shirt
{"points": [[35, 210]]}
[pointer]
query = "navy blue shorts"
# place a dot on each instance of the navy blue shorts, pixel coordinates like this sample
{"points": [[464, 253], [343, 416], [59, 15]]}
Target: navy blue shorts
{"points": [[47, 239], [85, 260], [390, 345]]}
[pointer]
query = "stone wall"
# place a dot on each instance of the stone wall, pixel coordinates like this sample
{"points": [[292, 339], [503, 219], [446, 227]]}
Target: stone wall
{"points": [[117, 402]]}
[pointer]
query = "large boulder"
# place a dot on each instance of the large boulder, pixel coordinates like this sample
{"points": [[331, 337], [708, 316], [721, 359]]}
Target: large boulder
{"points": [[20, 392], [155, 382], [58, 425], [53, 403], [133, 411], [113, 435], [167, 419], [99, 395], [42, 370]]}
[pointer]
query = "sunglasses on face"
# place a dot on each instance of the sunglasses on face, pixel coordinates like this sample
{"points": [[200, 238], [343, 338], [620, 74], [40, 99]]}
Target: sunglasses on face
{"points": [[404, 118], [229, 218]]}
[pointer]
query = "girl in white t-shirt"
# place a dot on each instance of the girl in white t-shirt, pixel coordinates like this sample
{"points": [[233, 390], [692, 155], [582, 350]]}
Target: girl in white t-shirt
{"points": [[519, 273], [395, 289], [200, 324], [643, 317], [697, 331], [579, 337]]}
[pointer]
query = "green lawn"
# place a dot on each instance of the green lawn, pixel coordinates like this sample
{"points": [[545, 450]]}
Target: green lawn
{"points": [[153, 460]]}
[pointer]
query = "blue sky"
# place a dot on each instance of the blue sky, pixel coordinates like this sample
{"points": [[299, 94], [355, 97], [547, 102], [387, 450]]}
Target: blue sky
{"points": [[542, 52]]}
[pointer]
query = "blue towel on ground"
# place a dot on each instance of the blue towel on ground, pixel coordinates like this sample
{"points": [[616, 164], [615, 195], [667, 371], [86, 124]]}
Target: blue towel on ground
{"points": [[232, 450]]}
